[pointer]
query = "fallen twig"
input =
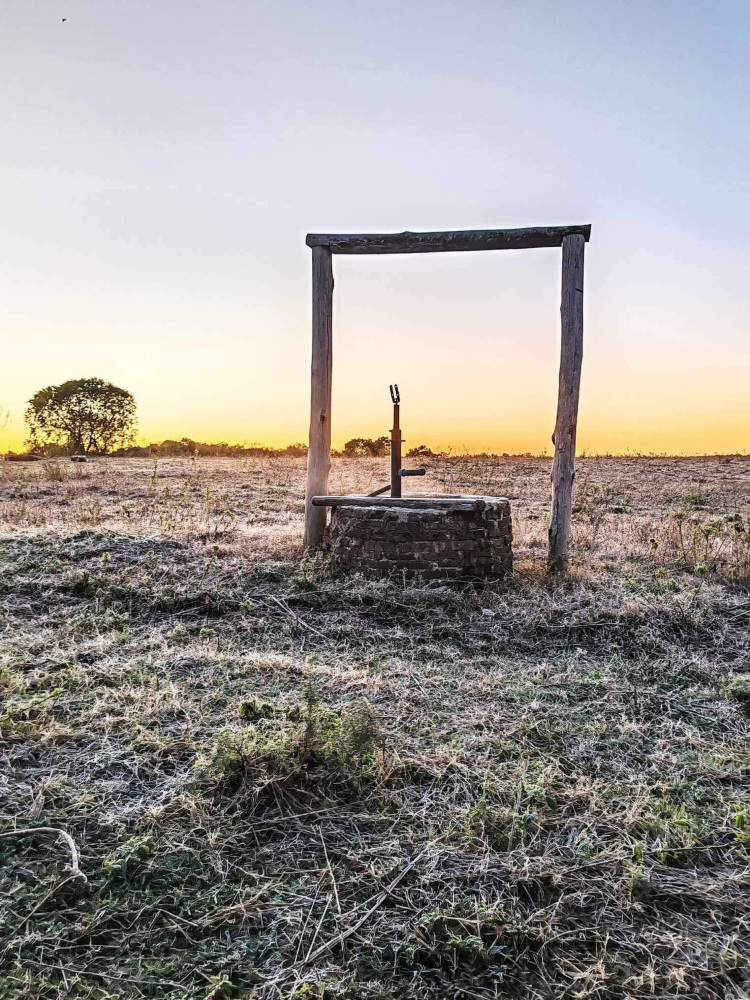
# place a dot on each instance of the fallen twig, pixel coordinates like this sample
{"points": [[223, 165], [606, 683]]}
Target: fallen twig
{"points": [[60, 833], [295, 617], [55, 888], [378, 901], [330, 871]]}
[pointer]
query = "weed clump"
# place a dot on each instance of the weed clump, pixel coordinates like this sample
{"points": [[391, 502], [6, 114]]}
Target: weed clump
{"points": [[307, 737], [253, 710], [739, 691]]}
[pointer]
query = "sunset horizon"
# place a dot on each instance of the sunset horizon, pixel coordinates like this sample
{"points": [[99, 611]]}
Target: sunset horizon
{"points": [[155, 238], [660, 430]]}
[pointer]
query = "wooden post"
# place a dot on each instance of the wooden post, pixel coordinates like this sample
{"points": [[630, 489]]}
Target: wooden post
{"points": [[571, 356], [319, 451]]}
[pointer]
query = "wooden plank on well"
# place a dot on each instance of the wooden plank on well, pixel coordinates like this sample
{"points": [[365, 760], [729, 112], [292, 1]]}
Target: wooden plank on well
{"points": [[403, 503]]}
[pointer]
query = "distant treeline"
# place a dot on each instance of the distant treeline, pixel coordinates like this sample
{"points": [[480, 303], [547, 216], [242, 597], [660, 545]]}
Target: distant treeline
{"points": [[186, 447], [356, 448]]}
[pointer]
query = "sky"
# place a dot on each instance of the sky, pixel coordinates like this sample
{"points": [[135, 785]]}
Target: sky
{"points": [[161, 163]]}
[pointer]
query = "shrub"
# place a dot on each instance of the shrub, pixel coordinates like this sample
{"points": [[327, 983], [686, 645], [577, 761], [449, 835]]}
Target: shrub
{"points": [[739, 690], [367, 447], [309, 736]]}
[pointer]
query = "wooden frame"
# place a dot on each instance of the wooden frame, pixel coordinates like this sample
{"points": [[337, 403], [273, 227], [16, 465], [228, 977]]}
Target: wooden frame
{"points": [[572, 239]]}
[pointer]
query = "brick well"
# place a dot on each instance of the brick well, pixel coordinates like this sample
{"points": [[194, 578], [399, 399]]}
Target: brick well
{"points": [[433, 543]]}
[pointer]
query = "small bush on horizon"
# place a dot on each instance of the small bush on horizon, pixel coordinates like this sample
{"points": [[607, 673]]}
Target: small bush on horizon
{"points": [[367, 447]]}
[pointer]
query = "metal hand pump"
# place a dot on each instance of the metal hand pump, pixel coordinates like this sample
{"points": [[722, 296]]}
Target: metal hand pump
{"points": [[397, 472], [396, 443]]}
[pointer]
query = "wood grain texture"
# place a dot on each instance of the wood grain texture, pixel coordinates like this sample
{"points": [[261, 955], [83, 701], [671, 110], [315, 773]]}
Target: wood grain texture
{"points": [[443, 242], [571, 357], [404, 503], [319, 451]]}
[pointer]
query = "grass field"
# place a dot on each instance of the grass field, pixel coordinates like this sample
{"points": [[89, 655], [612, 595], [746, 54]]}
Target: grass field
{"points": [[284, 783]]}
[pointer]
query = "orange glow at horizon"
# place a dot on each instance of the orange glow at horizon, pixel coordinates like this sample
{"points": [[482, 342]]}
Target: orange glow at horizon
{"points": [[472, 340], [471, 412]]}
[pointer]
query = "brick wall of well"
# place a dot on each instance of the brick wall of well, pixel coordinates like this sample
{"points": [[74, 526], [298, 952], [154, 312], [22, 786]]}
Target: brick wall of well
{"points": [[436, 544]]}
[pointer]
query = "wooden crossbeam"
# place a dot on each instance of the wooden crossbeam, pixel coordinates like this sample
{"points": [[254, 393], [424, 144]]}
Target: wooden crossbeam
{"points": [[443, 242]]}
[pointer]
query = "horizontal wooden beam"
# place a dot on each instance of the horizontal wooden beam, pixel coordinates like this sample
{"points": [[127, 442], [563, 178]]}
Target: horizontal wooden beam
{"points": [[403, 503], [469, 239]]}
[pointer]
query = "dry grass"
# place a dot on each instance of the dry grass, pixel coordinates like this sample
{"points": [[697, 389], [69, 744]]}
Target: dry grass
{"points": [[288, 784]]}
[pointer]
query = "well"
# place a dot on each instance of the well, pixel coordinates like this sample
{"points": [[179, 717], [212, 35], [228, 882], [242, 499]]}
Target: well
{"points": [[443, 538], [324, 246]]}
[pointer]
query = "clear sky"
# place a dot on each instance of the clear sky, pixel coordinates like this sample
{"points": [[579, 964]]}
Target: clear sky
{"points": [[161, 162]]}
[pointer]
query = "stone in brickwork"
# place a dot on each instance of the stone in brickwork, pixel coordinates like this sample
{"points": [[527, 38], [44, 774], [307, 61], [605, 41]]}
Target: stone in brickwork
{"points": [[435, 544]]}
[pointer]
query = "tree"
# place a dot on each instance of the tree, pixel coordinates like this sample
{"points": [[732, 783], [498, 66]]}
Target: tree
{"points": [[81, 416], [359, 447]]}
